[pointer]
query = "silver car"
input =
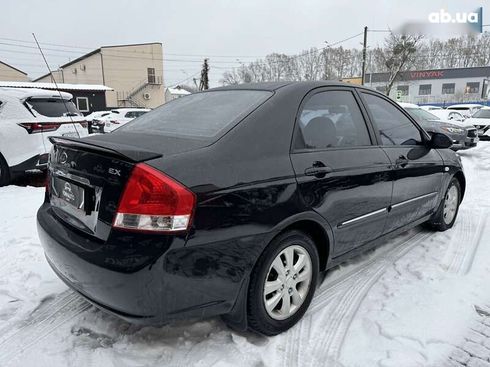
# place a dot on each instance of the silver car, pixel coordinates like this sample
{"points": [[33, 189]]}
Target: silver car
{"points": [[463, 137]]}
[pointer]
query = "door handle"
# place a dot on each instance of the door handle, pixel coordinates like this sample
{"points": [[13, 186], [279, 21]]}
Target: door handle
{"points": [[402, 161], [318, 169]]}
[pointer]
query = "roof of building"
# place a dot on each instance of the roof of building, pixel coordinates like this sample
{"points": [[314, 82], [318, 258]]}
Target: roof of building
{"points": [[61, 86], [477, 71], [10, 66], [22, 93], [178, 91], [97, 51]]}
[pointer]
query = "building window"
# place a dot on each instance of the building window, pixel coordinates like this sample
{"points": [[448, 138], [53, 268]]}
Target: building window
{"points": [[448, 88], [403, 89], [151, 75], [82, 104], [425, 89], [472, 87]]}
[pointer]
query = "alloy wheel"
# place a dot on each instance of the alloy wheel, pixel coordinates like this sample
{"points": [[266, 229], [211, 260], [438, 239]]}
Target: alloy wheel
{"points": [[288, 282], [451, 202]]}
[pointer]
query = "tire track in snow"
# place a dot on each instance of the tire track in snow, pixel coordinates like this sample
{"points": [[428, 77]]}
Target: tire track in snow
{"points": [[349, 290], [16, 339], [465, 242], [337, 320]]}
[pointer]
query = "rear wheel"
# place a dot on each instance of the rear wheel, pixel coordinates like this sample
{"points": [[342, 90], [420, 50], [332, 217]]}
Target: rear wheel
{"points": [[4, 172], [283, 283], [447, 212]]}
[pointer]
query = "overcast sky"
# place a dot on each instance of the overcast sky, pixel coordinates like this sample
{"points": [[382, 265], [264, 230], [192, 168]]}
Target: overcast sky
{"points": [[241, 30]]}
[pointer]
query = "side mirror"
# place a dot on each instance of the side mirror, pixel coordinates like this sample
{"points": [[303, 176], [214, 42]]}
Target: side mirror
{"points": [[440, 141]]}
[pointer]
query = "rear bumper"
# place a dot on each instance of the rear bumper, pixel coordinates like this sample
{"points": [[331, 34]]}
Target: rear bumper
{"points": [[180, 282]]}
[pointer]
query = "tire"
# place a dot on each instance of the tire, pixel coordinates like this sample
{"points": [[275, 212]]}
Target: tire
{"points": [[4, 172], [447, 212], [274, 320]]}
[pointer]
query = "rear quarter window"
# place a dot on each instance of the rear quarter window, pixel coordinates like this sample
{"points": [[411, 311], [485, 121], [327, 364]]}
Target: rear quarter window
{"points": [[203, 115], [52, 107]]}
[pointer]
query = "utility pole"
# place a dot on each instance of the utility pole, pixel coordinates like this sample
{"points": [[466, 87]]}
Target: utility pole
{"points": [[364, 52], [204, 84]]}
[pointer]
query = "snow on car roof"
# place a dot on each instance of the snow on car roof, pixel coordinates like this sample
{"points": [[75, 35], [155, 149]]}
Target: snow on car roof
{"points": [[463, 105], [130, 109], [62, 86], [23, 93], [408, 105]]}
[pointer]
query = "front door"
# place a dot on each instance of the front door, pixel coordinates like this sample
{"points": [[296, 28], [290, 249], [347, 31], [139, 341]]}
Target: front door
{"points": [[418, 170], [340, 173]]}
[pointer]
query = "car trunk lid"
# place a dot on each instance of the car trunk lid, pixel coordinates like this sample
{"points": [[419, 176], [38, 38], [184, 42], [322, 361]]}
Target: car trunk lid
{"points": [[86, 179]]}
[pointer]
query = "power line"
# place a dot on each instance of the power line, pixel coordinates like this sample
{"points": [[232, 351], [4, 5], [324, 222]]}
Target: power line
{"points": [[186, 79], [112, 49], [342, 41]]}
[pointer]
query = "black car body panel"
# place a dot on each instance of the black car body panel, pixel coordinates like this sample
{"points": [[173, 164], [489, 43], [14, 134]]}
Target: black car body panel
{"points": [[250, 184]]}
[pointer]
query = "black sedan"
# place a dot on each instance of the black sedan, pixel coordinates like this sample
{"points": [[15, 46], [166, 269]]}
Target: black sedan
{"points": [[231, 201]]}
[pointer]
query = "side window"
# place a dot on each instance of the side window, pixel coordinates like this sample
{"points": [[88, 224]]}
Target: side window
{"points": [[129, 114], [394, 127], [331, 119]]}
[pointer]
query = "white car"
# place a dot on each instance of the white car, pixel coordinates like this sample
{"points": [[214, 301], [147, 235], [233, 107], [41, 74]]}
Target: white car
{"points": [[430, 108], [28, 116], [481, 120], [117, 118], [466, 109]]}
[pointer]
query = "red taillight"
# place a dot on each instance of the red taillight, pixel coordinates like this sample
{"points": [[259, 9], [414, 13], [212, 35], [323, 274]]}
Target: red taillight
{"points": [[152, 201], [36, 127], [84, 124]]}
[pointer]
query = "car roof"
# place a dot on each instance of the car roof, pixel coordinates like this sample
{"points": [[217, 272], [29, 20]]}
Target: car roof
{"points": [[23, 93], [272, 86]]}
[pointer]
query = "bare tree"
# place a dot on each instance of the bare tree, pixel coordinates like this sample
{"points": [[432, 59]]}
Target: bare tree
{"points": [[398, 55]]}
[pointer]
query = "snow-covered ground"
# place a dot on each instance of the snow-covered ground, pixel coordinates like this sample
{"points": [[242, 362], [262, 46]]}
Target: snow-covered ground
{"points": [[409, 303]]}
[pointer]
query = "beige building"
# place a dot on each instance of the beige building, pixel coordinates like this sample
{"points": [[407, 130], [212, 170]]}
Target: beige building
{"points": [[11, 74], [134, 72]]}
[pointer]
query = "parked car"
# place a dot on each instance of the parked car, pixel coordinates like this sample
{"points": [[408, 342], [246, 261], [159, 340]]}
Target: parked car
{"points": [[116, 118], [431, 108], [481, 120], [97, 115], [455, 117], [466, 109], [231, 201], [27, 117], [462, 137]]}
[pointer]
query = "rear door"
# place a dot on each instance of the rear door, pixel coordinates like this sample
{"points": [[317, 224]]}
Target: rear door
{"points": [[418, 170], [340, 173]]}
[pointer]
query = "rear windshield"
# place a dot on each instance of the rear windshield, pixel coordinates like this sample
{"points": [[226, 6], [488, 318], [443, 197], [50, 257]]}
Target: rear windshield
{"points": [[199, 116], [52, 107]]}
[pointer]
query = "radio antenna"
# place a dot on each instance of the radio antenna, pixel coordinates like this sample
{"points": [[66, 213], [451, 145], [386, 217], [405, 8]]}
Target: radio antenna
{"points": [[68, 113]]}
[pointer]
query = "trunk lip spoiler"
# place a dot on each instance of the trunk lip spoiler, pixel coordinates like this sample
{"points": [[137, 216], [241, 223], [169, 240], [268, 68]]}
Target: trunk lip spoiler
{"points": [[127, 152]]}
